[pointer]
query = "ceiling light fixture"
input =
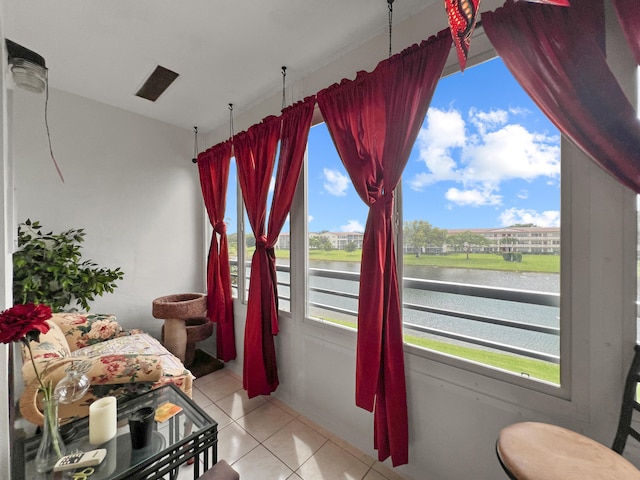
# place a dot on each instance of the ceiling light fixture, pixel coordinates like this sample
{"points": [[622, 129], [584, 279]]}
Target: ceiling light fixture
{"points": [[29, 69], [30, 73]]}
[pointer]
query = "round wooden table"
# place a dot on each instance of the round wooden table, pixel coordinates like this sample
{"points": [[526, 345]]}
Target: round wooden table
{"points": [[539, 451]]}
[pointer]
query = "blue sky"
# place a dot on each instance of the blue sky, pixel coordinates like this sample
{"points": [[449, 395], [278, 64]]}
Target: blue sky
{"points": [[485, 157]]}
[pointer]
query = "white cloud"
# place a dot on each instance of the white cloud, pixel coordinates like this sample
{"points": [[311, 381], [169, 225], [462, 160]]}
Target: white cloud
{"points": [[548, 218], [519, 111], [272, 184], [335, 182], [484, 121], [352, 226], [510, 153], [309, 218], [522, 194], [445, 131], [481, 152], [473, 198]]}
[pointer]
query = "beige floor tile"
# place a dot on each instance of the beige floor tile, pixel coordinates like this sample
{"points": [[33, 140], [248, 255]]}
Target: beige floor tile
{"points": [[234, 375], [234, 442], [200, 398], [210, 377], [321, 430], [332, 463], [261, 464], [293, 446], [373, 475], [220, 387], [264, 421], [294, 443], [387, 471], [238, 404], [359, 454], [285, 407], [218, 415]]}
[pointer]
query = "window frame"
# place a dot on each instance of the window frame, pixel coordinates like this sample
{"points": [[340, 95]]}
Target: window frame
{"points": [[562, 391]]}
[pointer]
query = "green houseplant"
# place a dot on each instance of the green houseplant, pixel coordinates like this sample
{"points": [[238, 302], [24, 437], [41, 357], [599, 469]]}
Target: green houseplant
{"points": [[48, 268]]}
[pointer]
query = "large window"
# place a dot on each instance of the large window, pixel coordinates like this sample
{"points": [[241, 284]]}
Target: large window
{"points": [[481, 240], [481, 207]]}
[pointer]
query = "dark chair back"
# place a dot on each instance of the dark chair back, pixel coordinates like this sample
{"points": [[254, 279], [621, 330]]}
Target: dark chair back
{"points": [[629, 404]]}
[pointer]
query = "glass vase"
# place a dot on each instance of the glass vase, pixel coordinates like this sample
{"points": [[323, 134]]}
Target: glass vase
{"points": [[51, 445]]}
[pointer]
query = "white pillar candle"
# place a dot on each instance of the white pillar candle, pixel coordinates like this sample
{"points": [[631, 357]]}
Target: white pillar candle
{"points": [[103, 420]]}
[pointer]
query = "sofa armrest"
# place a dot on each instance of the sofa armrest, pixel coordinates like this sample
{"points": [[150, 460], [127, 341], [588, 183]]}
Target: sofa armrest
{"points": [[107, 369]]}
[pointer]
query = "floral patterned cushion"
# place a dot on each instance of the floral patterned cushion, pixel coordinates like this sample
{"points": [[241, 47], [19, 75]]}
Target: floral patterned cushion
{"points": [[138, 344], [50, 345], [84, 329]]}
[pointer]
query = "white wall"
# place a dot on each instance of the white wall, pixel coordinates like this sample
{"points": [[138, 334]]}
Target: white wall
{"points": [[129, 182]]}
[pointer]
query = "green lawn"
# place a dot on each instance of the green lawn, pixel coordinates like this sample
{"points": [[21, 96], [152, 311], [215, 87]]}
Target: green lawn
{"points": [[488, 261], [538, 369], [484, 261]]}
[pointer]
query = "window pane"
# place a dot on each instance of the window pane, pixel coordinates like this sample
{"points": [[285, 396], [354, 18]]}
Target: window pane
{"points": [[481, 206], [282, 250], [231, 219], [336, 221]]}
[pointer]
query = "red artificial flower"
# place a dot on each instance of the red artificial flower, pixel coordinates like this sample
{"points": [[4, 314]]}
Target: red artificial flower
{"points": [[19, 321]]}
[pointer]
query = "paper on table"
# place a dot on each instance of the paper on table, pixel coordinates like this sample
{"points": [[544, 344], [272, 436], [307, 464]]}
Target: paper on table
{"points": [[167, 410]]}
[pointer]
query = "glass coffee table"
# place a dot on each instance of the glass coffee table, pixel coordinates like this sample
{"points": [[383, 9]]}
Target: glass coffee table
{"points": [[190, 434]]}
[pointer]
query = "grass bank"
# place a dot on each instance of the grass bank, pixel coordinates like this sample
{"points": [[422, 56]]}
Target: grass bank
{"points": [[480, 261], [538, 369]]}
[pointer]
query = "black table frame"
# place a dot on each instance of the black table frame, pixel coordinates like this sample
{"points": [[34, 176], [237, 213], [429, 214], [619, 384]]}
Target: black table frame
{"points": [[203, 443]]}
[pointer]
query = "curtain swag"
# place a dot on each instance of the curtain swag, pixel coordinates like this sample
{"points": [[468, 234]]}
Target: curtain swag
{"points": [[544, 48], [213, 167]]}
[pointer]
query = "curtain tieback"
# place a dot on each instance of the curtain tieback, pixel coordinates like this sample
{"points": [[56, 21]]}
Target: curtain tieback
{"points": [[384, 204], [261, 241], [220, 228]]}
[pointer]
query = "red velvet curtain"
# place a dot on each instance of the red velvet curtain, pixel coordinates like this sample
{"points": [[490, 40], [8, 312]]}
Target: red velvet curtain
{"points": [[255, 154], [556, 56], [629, 15], [374, 121], [296, 122], [213, 166]]}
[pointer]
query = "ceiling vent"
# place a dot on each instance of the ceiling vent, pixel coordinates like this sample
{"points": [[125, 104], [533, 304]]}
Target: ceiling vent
{"points": [[157, 83]]}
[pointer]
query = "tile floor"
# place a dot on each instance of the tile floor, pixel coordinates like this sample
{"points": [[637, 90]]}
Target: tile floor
{"points": [[263, 439]]}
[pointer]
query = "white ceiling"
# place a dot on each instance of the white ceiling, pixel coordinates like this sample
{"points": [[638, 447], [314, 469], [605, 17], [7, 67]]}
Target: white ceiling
{"points": [[225, 52]]}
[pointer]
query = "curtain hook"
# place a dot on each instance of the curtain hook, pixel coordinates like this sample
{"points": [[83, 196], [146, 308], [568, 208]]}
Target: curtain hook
{"points": [[284, 77], [390, 3], [195, 145], [231, 121]]}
